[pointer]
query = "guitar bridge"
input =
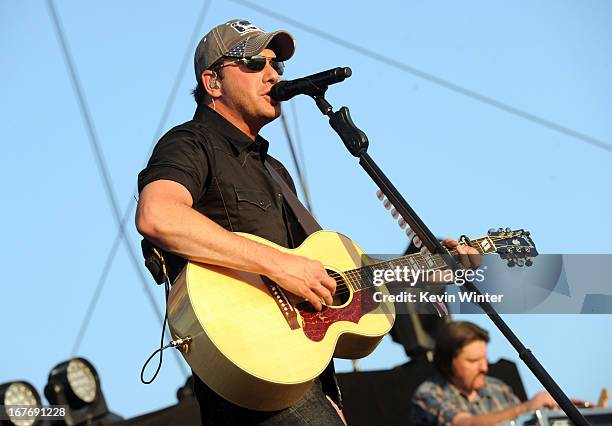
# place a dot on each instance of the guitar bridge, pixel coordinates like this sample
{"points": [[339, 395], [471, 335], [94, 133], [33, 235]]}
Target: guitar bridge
{"points": [[282, 302]]}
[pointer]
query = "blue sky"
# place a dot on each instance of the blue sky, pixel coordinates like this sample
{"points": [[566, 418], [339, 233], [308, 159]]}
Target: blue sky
{"points": [[464, 165]]}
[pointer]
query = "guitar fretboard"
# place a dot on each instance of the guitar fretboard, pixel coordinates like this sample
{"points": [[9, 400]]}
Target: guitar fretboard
{"points": [[364, 277]]}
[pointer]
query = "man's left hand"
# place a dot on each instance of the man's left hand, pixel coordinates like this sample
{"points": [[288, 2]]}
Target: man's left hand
{"points": [[470, 257]]}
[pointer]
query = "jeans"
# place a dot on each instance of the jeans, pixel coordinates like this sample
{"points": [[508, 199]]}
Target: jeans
{"points": [[313, 409]]}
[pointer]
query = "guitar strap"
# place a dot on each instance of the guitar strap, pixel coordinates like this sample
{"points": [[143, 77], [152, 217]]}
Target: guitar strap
{"points": [[310, 225], [306, 220]]}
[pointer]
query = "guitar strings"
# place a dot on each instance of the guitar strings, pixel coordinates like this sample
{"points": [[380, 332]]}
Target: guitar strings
{"points": [[344, 287]]}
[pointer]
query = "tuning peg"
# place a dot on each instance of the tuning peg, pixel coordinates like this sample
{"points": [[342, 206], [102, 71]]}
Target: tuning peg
{"points": [[528, 262], [417, 241], [491, 231], [520, 262], [409, 233], [507, 229], [387, 204], [380, 195], [425, 250], [511, 263], [402, 223], [394, 213]]}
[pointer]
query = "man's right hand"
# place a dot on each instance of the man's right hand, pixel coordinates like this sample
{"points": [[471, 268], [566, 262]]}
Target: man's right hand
{"points": [[166, 217], [541, 399], [306, 278]]}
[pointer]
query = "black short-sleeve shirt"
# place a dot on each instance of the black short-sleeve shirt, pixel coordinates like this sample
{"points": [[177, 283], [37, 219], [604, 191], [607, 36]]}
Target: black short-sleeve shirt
{"points": [[224, 171]]}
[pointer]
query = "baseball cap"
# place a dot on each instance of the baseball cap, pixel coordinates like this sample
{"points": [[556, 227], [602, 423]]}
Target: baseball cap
{"points": [[239, 38]]}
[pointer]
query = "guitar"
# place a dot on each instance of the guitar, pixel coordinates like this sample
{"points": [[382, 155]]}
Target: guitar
{"points": [[261, 347]]}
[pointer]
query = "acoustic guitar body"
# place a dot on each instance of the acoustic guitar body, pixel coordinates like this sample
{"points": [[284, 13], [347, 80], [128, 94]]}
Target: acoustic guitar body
{"points": [[255, 344]]}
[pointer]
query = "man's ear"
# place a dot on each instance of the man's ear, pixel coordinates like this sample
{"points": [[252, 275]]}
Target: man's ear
{"points": [[211, 83]]}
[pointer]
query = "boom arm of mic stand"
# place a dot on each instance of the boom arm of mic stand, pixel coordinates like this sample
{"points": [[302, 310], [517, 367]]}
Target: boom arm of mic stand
{"points": [[357, 143]]}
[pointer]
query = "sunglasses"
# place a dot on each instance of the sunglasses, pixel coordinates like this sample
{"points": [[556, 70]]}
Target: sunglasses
{"points": [[257, 63]]}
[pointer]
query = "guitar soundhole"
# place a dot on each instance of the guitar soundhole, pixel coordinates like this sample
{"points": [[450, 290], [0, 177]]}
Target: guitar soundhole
{"points": [[343, 292]]}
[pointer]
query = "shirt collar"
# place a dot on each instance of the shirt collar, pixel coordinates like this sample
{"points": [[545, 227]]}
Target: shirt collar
{"points": [[234, 135], [454, 389]]}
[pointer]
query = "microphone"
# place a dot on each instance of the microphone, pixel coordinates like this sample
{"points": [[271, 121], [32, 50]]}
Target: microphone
{"points": [[315, 84]]}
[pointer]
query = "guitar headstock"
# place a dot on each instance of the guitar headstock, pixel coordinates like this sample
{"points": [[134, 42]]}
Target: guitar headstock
{"points": [[516, 247]]}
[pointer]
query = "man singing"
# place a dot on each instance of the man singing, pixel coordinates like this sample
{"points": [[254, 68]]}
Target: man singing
{"points": [[207, 178]]}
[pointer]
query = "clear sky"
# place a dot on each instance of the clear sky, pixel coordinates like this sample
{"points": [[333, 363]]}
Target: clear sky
{"points": [[464, 163]]}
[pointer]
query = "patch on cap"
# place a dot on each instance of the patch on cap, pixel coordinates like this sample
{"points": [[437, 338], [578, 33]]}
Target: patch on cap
{"points": [[244, 27]]}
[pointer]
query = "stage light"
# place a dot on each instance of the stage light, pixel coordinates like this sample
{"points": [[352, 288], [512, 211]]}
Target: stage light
{"points": [[75, 383], [77, 379], [82, 380], [19, 394]]}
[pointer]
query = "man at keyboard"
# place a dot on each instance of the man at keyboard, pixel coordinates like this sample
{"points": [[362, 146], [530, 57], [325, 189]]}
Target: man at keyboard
{"points": [[462, 394]]}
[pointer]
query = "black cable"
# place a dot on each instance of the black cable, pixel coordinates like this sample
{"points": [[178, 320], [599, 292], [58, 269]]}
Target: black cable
{"points": [[298, 139], [187, 57], [100, 161], [96, 296], [178, 343], [296, 162], [429, 77], [132, 203], [300, 150], [161, 342]]}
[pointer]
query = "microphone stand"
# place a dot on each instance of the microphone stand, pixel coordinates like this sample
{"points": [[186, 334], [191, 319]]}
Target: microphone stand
{"points": [[357, 143]]}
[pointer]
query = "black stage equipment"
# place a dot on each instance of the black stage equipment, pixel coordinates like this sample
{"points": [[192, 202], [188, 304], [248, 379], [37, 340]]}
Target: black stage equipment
{"points": [[185, 391], [18, 395], [75, 383], [595, 416], [416, 331]]}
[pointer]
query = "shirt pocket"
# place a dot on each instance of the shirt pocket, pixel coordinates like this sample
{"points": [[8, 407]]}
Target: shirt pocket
{"points": [[246, 197], [257, 214]]}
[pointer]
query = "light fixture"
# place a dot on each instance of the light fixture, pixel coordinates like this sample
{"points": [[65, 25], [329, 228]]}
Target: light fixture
{"points": [[75, 383], [18, 395]]}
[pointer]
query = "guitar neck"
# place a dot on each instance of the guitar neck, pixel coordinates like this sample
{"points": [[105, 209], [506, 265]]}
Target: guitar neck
{"points": [[365, 277]]}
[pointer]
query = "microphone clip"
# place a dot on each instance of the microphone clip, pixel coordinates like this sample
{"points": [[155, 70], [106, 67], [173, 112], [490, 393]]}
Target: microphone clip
{"points": [[314, 90], [355, 140]]}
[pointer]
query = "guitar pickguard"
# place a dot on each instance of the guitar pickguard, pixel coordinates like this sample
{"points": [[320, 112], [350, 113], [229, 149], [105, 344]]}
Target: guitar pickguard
{"points": [[316, 323]]}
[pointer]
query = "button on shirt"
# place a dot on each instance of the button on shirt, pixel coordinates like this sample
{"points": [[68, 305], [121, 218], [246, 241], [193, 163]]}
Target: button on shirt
{"points": [[224, 171], [437, 401]]}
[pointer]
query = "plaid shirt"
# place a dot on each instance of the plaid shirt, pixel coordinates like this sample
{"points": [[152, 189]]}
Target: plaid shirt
{"points": [[437, 401]]}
